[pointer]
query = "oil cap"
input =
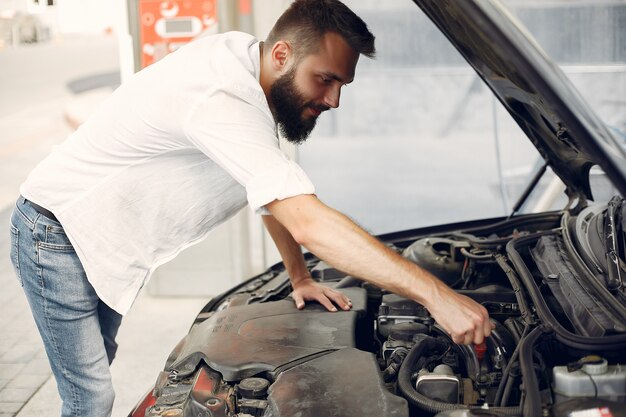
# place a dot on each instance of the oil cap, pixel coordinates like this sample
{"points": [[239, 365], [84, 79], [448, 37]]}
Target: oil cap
{"points": [[253, 387]]}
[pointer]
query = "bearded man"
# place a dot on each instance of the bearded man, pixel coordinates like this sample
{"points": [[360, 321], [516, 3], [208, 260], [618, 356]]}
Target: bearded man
{"points": [[177, 149]]}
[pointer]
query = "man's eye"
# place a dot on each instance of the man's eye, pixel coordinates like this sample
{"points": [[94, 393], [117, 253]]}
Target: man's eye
{"points": [[326, 80]]}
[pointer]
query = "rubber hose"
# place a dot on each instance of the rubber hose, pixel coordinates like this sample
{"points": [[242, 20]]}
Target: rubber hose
{"points": [[513, 327], [432, 406], [532, 402], [507, 389], [348, 282], [506, 373]]}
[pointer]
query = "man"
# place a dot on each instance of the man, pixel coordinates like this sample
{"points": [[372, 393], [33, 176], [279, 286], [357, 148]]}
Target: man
{"points": [[176, 150]]}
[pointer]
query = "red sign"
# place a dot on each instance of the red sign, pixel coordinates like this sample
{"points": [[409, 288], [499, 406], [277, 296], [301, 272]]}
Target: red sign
{"points": [[167, 25]]}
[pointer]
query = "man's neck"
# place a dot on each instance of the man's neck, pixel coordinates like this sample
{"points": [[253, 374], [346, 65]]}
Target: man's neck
{"points": [[264, 76]]}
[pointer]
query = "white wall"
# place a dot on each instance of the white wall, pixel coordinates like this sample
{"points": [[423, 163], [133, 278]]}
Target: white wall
{"points": [[19, 5], [71, 16], [87, 16]]}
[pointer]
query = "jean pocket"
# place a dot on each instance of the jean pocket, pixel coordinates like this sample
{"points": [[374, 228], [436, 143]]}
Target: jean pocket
{"points": [[15, 252], [55, 239]]}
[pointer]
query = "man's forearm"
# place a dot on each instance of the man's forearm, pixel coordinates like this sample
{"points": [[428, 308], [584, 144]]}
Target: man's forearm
{"points": [[288, 248], [337, 240]]}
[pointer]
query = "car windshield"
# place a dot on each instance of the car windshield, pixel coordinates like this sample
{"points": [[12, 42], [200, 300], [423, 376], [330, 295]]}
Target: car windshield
{"points": [[419, 139]]}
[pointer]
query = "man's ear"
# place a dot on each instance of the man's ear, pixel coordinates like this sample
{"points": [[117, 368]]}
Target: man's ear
{"points": [[281, 55]]}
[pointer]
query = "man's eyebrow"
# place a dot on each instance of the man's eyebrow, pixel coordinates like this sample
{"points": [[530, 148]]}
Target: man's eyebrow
{"points": [[337, 78]]}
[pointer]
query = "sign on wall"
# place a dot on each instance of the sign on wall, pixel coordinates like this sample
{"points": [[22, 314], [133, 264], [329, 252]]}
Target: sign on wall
{"points": [[164, 26]]}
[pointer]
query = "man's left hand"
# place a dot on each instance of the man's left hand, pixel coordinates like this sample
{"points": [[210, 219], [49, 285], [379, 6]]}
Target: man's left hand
{"points": [[309, 290]]}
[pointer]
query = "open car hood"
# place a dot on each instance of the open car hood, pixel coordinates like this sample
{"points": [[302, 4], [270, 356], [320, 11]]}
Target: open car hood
{"points": [[534, 90]]}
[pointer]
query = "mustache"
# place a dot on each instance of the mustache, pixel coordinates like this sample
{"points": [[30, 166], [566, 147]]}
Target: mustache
{"points": [[319, 107]]}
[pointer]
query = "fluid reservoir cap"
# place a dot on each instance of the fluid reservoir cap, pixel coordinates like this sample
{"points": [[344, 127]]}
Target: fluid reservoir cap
{"points": [[253, 387], [591, 364], [596, 367]]}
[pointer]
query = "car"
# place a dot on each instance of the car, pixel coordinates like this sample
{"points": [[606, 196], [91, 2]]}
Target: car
{"points": [[552, 281]]}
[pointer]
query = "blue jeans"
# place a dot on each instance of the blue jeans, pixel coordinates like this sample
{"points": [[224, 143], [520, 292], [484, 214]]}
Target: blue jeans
{"points": [[77, 328]]}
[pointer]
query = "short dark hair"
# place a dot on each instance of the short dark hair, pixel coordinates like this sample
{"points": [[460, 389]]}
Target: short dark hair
{"points": [[305, 22]]}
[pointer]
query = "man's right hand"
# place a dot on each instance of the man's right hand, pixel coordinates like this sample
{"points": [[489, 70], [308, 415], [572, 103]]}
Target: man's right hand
{"points": [[465, 320]]}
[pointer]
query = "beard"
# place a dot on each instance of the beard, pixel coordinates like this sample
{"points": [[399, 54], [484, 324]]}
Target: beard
{"points": [[289, 106]]}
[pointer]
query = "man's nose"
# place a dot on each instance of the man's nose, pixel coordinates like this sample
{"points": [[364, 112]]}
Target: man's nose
{"points": [[332, 97]]}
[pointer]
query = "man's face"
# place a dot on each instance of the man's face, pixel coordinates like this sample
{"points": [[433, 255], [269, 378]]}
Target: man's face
{"points": [[312, 86]]}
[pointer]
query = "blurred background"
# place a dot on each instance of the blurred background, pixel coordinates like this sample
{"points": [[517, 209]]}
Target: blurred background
{"points": [[418, 139]]}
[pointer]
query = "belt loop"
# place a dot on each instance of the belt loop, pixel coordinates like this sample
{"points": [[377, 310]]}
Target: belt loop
{"points": [[41, 210]]}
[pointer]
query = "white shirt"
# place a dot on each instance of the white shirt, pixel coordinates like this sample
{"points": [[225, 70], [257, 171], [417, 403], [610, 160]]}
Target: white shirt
{"points": [[176, 150]]}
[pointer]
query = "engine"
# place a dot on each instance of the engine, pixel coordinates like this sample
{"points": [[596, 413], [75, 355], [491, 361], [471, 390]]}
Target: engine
{"points": [[558, 347], [535, 360]]}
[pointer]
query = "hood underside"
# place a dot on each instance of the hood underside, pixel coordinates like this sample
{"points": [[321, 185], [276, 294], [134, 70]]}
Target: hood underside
{"points": [[534, 90]]}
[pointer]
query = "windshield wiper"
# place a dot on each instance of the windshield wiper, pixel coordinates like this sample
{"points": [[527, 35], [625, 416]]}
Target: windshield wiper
{"points": [[613, 232]]}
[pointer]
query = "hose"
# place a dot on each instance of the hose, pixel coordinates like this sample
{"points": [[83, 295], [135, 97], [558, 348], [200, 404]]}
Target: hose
{"points": [[515, 328], [506, 373], [532, 396], [517, 288], [510, 383], [470, 255], [426, 344], [348, 282]]}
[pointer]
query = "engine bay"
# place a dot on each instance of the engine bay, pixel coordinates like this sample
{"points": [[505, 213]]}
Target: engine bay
{"points": [[558, 344]]}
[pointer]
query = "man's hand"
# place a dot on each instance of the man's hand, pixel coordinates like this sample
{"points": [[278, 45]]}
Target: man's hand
{"points": [[464, 319], [309, 290]]}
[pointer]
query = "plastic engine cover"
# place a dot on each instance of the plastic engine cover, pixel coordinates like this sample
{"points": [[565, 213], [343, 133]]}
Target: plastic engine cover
{"points": [[342, 383], [243, 341]]}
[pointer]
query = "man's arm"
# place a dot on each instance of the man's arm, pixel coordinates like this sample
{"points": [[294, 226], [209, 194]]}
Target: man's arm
{"points": [[304, 288], [338, 241]]}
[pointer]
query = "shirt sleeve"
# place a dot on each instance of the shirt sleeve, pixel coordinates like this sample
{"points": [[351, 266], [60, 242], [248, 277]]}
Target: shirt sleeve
{"points": [[239, 134]]}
